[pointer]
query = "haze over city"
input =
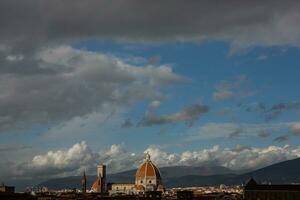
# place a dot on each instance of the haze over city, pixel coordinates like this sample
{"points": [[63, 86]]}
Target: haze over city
{"points": [[204, 83]]}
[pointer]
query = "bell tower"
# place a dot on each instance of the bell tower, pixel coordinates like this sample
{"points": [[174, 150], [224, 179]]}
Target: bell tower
{"points": [[101, 176]]}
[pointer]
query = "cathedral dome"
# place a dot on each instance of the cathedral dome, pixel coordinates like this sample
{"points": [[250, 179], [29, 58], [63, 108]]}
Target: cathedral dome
{"points": [[96, 185], [147, 169]]}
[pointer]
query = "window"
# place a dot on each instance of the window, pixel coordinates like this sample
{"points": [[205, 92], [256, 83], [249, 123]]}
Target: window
{"points": [[141, 181], [150, 181]]}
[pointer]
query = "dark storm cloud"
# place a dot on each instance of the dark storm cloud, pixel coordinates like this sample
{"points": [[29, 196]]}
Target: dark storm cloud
{"points": [[281, 138], [255, 107], [31, 23], [39, 88], [236, 133], [126, 124], [187, 115], [294, 130], [274, 111], [277, 109]]}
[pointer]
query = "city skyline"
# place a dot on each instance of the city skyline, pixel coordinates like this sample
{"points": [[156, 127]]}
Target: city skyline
{"points": [[200, 83]]}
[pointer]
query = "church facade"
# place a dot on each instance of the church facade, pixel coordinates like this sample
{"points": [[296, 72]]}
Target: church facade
{"points": [[99, 185], [147, 178]]}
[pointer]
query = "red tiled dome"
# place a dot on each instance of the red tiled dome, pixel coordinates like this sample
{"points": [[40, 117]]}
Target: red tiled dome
{"points": [[147, 169]]}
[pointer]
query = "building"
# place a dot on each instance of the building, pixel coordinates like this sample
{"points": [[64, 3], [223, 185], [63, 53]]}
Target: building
{"points": [[83, 183], [7, 189], [100, 183], [254, 191], [184, 195], [123, 188], [147, 177], [154, 195]]}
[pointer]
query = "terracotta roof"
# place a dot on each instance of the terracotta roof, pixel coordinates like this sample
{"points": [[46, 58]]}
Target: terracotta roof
{"points": [[147, 169], [96, 184]]}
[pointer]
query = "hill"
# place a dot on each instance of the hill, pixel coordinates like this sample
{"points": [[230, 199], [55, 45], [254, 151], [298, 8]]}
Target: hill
{"points": [[167, 173], [184, 176]]}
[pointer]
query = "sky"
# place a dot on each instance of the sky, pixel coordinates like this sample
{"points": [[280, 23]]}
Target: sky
{"points": [[197, 83]]}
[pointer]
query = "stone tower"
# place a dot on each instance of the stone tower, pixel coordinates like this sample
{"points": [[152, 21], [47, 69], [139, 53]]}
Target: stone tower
{"points": [[101, 174], [100, 184], [83, 183]]}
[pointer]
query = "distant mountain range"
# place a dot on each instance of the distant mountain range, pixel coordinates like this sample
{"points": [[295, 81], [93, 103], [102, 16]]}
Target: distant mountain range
{"points": [[174, 172], [184, 176]]}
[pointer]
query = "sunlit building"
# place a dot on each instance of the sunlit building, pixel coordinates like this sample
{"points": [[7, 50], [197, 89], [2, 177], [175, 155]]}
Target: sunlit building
{"points": [[147, 178], [100, 183], [7, 189]]}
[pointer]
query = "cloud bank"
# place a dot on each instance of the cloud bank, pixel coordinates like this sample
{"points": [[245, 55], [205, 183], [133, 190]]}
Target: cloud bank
{"points": [[74, 160], [35, 22], [214, 130], [63, 83]]}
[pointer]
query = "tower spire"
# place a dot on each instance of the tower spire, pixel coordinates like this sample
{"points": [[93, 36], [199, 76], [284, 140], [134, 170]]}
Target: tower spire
{"points": [[83, 183]]}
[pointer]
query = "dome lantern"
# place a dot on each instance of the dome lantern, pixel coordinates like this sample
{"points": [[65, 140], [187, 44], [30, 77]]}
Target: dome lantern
{"points": [[147, 157]]}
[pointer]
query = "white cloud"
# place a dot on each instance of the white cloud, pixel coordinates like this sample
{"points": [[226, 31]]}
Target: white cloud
{"points": [[60, 162], [13, 58], [71, 83], [155, 104], [225, 130], [81, 127], [236, 159], [232, 89], [74, 160], [60, 159], [295, 129]]}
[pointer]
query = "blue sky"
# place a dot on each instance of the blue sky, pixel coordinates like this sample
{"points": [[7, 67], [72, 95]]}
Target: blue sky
{"points": [[270, 75], [193, 83], [266, 70]]}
